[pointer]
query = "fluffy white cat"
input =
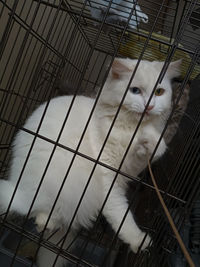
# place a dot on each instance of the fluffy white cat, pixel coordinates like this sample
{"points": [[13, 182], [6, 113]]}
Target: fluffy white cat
{"points": [[31, 169]]}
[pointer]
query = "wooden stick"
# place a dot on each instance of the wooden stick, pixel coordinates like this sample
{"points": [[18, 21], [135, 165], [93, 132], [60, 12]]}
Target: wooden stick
{"points": [[178, 237]]}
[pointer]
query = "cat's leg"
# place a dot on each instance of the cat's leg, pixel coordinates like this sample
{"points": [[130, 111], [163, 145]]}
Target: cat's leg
{"points": [[147, 143], [46, 257], [137, 158], [114, 211], [142, 149]]}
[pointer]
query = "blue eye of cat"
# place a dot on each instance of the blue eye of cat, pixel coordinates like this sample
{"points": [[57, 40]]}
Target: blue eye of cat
{"points": [[135, 90]]}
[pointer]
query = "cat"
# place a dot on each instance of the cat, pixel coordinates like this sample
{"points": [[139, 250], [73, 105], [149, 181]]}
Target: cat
{"points": [[38, 151], [119, 12]]}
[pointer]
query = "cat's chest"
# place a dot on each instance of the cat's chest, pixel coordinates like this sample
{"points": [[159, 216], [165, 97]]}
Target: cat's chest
{"points": [[123, 135], [124, 129], [117, 144]]}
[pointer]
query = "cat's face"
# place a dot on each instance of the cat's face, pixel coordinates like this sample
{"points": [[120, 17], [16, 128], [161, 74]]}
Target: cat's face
{"points": [[141, 87]]}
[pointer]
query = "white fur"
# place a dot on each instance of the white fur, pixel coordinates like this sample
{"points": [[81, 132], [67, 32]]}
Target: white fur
{"points": [[136, 160]]}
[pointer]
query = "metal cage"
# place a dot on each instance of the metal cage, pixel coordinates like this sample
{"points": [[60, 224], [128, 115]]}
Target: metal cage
{"points": [[57, 47]]}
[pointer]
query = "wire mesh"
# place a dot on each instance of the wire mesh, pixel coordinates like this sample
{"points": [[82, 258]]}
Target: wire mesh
{"points": [[53, 47]]}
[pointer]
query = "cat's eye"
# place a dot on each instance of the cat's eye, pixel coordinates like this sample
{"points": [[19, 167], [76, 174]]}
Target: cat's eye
{"points": [[159, 91], [135, 90]]}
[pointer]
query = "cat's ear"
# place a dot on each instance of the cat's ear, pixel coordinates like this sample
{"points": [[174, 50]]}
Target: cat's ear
{"points": [[119, 68], [174, 69]]}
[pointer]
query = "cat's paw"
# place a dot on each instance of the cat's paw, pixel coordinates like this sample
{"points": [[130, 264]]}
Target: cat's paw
{"points": [[41, 219], [146, 146], [142, 241], [161, 149]]}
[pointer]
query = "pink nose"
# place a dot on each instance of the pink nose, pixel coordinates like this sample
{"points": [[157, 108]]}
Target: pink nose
{"points": [[150, 107]]}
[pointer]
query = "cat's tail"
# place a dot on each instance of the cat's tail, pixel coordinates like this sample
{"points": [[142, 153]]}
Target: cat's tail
{"points": [[20, 201]]}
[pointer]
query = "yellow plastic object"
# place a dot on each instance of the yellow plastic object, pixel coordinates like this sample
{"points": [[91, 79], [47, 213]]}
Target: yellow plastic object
{"points": [[155, 50]]}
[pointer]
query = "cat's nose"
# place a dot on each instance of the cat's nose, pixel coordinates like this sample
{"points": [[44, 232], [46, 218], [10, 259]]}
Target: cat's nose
{"points": [[150, 107]]}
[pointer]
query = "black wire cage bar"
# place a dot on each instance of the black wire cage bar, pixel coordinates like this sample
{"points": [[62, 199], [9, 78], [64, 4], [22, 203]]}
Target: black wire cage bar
{"points": [[52, 48]]}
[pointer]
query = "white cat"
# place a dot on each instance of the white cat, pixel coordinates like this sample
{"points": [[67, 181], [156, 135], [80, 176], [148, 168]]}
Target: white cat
{"points": [[116, 145]]}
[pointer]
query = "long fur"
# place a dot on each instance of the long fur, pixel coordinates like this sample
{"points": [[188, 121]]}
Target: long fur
{"points": [[122, 131]]}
